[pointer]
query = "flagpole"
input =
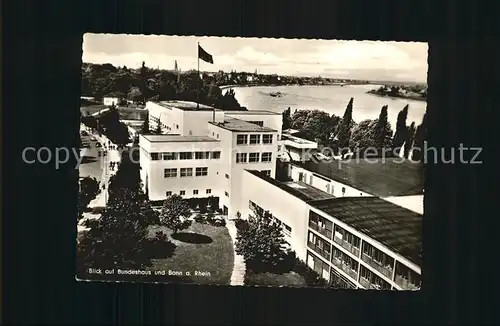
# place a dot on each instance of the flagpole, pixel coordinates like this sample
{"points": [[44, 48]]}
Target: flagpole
{"points": [[198, 94]]}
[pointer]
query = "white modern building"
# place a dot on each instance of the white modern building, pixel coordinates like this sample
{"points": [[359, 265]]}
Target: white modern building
{"points": [[205, 151], [360, 242], [333, 215], [113, 98]]}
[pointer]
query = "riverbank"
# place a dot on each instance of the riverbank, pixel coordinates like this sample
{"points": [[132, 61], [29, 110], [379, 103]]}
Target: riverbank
{"points": [[399, 96]]}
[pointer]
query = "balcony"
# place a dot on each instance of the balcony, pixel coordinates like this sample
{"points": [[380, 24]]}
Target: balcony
{"points": [[347, 245], [323, 231], [320, 251], [386, 271], [344, 267], [405, 283], [364, 282]]}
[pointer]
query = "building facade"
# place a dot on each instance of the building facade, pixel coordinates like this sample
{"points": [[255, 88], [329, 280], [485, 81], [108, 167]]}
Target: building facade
{"points": [[215, 145], [330, 234]]}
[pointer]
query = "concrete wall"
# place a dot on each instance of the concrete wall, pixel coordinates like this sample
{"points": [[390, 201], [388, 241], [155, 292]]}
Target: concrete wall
{"points": [[158, 185], [109, 101], [331, 187], [285, 207], [196, 122], [236, 169], [273, 121]]}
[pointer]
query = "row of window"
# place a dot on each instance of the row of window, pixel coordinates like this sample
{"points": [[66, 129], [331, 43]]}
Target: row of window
{"points": [[171, 156], [253, 157], [185, 172], [183, 192], [287, 230], [254, 139], [372, 256]]}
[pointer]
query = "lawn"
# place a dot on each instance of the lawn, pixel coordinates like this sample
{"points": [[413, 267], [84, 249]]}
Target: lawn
{"points": [[269, 279], [202, 248]]}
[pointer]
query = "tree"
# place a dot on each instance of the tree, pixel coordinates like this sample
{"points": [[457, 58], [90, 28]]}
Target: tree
{"points": [[119, 237], [174, 213], [401, 129], [262, 244], [344, 130], [89, 189], [145, 125], [382, 132], [287, 119], [319, 126], [409, 140], [362, 135], [420, 135], [158, 129], [135, 94]]}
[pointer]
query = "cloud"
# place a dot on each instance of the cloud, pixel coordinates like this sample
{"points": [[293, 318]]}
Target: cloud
{"points": [[349, 59]]}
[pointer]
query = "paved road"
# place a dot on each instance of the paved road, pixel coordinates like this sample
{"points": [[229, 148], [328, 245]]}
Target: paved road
{"points": [[92, 165]]}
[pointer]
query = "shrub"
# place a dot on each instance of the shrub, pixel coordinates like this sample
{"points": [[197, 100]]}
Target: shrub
{"points": [[263, 245], [311, 277], [241, 224], [217, 221], [199, 218]]}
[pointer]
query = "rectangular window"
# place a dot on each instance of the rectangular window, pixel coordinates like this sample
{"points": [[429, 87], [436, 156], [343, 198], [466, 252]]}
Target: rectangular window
{"points": [[170, 173], [155, 156], [226, 193], [241, 157], [177, 126], [209, 191], [200, 172], [227, 176], [169, 156], [202, 155], [215, 155], [266, 157], [186, 172], [253, 157], [182, 192], [254, 139], [267, 139], [195, 192], [241, 139], [168, 193], [266, 172], [258, 123], [186, 156], [287, 230]]}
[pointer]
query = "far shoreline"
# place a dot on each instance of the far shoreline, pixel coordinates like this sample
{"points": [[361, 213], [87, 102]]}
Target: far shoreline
{"points": [[413, 98]]}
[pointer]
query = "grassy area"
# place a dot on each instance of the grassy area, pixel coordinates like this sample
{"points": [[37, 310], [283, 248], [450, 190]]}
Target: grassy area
{"points": [[269, 279], [209, 250]]}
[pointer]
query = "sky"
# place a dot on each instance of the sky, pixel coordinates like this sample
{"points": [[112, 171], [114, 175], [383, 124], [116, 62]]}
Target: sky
{"points": [[371, 60]]}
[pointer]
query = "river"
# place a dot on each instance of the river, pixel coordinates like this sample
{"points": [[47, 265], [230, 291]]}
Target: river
{"points": [[332, 99]]}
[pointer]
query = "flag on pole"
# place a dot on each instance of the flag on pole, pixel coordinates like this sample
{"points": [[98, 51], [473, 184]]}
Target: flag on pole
{"points": [[204, 55]]}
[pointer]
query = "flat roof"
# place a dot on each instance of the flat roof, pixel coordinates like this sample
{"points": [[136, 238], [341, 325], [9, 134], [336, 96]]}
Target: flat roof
{"points": [[309, 191], [397, 228], [380, 177], [253, 112], [238, 125], [177, 138], [186, 106], [292, 191]]}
